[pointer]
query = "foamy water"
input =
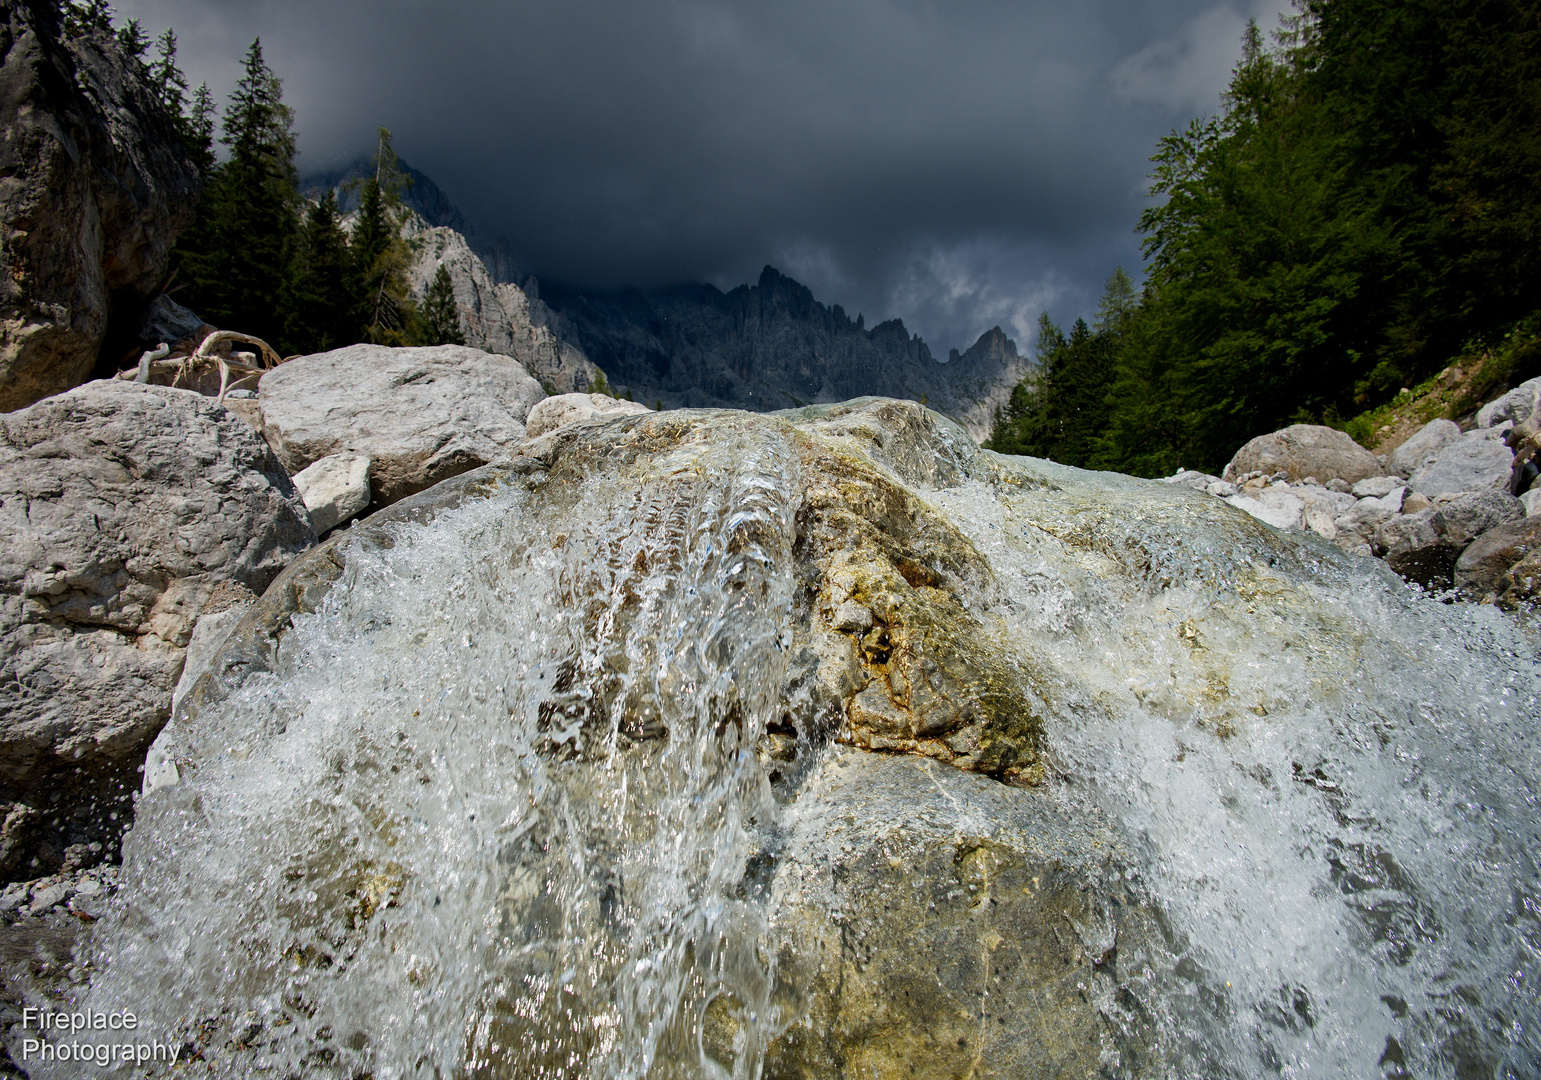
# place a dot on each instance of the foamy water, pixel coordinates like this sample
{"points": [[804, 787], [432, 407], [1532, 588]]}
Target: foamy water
{"points": [[494, 812]]}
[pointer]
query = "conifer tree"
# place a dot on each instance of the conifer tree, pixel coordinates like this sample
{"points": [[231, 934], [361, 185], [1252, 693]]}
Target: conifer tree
{"points": [[88, 17], [199, 128], [380, 255], [325, 292], [236, 257], [132, 41], [441, 315], [168, 79]]}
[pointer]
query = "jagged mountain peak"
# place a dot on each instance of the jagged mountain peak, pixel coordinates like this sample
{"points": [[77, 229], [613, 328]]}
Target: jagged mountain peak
{"points": [[992, 345], [767, 345]]}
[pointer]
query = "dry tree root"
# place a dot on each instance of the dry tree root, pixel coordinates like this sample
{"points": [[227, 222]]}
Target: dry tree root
{"points": [[187, 368]]}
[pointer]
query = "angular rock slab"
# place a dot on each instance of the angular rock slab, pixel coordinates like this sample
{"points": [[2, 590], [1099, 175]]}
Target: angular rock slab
{"points": [[1303, 450], [334, 489], [121, 507], [1423, 447], [1517, 406], [420, 415]]}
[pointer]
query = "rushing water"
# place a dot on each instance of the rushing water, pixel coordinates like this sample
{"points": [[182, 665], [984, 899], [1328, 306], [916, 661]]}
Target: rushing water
{"points": [[498, 810]]}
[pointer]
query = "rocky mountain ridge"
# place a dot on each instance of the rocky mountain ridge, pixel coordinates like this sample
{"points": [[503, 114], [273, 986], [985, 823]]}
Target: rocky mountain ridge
{"points": [[772, 345]]}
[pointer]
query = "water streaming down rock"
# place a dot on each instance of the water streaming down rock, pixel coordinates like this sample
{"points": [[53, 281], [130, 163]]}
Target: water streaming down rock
{"points": [[822, 744]]}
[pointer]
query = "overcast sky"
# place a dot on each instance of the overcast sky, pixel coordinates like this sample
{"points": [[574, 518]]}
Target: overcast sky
{"points": [[956, 163]]}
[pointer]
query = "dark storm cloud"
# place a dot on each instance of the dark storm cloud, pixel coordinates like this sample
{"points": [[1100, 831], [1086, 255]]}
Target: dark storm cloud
{"points": [[957, 164]]}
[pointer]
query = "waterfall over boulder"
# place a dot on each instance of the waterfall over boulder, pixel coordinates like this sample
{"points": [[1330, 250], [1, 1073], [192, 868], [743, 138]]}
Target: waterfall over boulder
{"points": [[822, 743]]}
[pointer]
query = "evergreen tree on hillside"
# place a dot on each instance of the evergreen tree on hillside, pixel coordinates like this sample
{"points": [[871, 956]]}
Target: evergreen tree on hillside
{"points": [[236, 258], [441, 315], [1061, 410], [199, 128], [83, 17], [170, 84], [324, 304], [380, 255], [1366, 204], [132, 41]]}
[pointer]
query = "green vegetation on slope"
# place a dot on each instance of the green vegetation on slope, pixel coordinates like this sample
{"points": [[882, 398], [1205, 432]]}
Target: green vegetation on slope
{"points": [[1365, 206]]}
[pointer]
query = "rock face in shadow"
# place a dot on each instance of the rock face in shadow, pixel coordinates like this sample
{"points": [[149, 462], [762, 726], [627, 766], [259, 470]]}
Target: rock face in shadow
{"points": [[772, 345], [97, 186], [122, 508]]}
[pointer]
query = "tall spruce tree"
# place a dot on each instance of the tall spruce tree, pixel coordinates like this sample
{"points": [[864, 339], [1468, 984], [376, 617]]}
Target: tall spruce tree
{"points": [[236, 258], [440, 313], [170, 84], [199, 128], [323, 312], [380, 255]]}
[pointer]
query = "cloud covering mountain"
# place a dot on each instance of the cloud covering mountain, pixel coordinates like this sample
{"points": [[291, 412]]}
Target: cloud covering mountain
{"points": [[956, 165]]}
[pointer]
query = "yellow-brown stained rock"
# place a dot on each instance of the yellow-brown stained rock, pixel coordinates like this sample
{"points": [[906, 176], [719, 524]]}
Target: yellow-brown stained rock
{"points": [[932, 681]]}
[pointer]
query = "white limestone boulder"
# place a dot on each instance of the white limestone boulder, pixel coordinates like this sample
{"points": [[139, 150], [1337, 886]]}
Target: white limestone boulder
{"points": [[122, 507], [335, 489], [420, 415]]}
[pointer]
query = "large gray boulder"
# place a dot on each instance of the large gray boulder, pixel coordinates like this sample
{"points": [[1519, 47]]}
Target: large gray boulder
{"points": [[1483, 565], [1303, 450], [122, 506], [97, 186], [1466, 517], [1517, 406], [420, 415], [1423, 447], [1477, 461]]}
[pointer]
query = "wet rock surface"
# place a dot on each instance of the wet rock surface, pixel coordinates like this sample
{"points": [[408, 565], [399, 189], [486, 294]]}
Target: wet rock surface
{"points": [[947, 926], [969, 764]]}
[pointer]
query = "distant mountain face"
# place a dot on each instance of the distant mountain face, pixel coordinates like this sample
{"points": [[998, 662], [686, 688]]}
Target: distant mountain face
{"points": [[761, 347], [495, 316], [771, 346]]}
